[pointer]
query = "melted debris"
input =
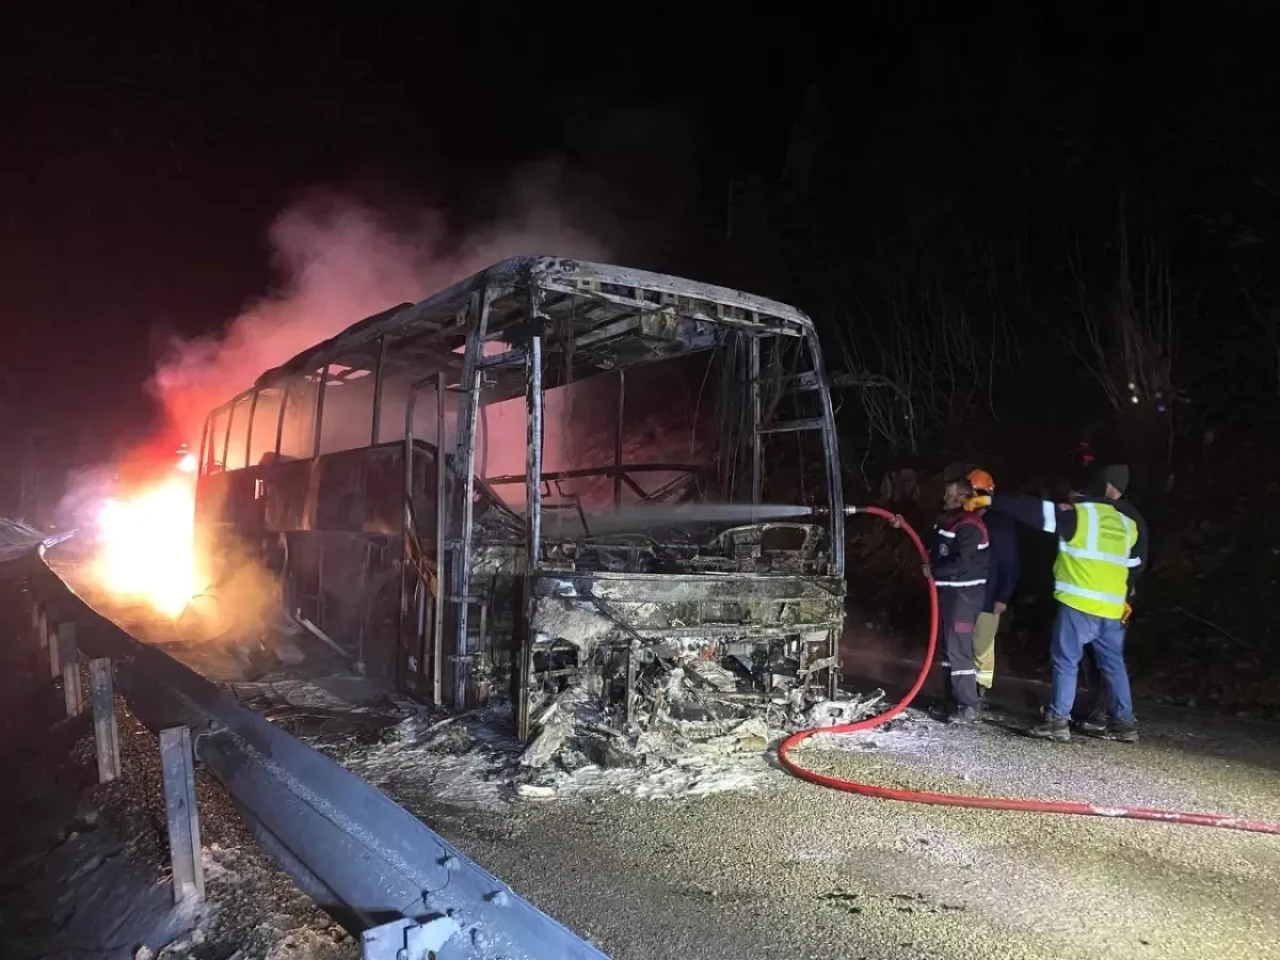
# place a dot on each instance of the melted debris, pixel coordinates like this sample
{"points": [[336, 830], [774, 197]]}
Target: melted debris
{"points": [[475, 761]]}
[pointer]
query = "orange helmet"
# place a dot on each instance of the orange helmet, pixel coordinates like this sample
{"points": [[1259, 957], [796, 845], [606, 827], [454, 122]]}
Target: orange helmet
{"points": [[982, 481]]}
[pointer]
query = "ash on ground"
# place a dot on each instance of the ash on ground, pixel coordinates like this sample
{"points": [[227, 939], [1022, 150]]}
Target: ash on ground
{"points": [[693, 736]]}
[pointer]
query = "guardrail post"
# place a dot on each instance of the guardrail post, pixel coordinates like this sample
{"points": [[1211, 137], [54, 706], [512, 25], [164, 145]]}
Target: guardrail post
{"points": [[70, 656], [47, 640], [178, 769], [105, 735]]}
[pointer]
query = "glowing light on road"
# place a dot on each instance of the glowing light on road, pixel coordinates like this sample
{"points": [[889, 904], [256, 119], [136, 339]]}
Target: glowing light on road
{"points": [[145, 545], [188, 463]]}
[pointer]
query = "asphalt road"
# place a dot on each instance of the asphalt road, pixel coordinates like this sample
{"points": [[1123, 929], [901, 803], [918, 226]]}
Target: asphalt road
{"points": [[799, 871]]}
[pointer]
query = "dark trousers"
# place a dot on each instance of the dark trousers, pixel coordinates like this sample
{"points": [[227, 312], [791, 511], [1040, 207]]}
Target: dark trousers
{"points": [[958, 609]]}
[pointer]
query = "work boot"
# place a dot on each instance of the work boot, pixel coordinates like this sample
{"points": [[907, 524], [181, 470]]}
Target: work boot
{"points": [[1125, 731], [1052, 728], [1095, 724], [964, 715], [942, 711]]}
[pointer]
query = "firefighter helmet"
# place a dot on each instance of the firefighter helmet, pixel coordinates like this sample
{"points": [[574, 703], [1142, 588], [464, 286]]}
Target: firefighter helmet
{"points": [[982, 482]]}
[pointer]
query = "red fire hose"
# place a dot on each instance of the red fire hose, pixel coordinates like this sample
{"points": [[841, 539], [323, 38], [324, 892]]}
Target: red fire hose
{"points": [[983, 803]]}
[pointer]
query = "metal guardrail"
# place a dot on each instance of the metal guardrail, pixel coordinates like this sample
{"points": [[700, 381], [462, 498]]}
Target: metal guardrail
{"points": [[370, 863]]}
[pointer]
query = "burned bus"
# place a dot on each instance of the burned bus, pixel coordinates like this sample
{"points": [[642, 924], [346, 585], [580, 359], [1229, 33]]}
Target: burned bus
{"points": [[551, 470]]}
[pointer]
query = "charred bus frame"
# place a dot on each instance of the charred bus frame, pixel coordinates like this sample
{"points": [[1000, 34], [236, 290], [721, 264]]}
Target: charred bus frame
{"points": [[414, 565]]}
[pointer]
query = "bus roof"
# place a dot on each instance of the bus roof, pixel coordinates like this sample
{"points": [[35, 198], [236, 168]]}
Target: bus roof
{"points": [[622, 290]]}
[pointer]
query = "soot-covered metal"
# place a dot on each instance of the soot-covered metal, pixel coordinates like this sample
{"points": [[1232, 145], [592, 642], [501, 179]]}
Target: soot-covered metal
{"points": [[550, 477]]}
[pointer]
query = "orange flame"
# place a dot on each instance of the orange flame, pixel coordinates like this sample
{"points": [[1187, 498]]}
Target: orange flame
{"points": [[146, 545]]}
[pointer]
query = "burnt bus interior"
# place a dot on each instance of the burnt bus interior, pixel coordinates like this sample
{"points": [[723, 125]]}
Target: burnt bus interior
{"points": [[551, 468]]}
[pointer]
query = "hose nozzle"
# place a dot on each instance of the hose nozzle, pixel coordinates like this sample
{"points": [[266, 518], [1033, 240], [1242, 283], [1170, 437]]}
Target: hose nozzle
{"points": [[848, 511]]}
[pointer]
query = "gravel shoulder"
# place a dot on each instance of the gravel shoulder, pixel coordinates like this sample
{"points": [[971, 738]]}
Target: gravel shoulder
{"points": [[84, 867]]}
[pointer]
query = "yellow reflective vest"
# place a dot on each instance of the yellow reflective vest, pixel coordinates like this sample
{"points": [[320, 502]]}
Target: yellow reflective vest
{"points": [[1091, 573]]}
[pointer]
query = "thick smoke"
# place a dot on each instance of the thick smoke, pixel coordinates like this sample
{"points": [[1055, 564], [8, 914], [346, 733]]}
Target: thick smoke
{"points": [[339, 259], [342, 259]]}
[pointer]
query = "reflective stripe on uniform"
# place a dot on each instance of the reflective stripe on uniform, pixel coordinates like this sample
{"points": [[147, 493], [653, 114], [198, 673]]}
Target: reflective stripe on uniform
{"points": [[950, 534], [1050, 512], [1098, 555], [964, 673], [959, 583], [1061, 586], [1090, 549], [984, 545]]}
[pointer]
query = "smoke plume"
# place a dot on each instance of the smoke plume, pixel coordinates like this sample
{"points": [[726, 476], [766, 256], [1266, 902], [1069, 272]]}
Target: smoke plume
{"points": [[341, 259]]}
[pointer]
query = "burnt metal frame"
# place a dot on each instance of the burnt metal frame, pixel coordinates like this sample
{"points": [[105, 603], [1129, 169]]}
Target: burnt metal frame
{"points": [[248, 433], [464, 464], [204, 440], [286, 388], [824, 422], [469, 305], [440, 383], [619, 423], [831, 450], [533, 487]]}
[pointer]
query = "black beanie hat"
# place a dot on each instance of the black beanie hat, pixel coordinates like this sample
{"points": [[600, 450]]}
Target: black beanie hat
{"points": [[1117, 474]]}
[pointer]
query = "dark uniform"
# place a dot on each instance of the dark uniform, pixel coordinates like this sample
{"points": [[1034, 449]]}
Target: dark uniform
{"points": [[960, 559]]}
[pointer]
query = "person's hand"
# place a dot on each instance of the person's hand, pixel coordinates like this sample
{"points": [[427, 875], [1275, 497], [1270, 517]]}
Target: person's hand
{"points": [[1128, 612], [977, 502], [928, 571], [998, 608]]}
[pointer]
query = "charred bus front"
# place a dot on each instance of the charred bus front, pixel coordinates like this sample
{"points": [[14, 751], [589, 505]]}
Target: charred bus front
{"points": [[553, 474]]}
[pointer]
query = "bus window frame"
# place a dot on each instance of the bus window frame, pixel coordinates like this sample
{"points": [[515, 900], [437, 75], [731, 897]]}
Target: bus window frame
{"points": [[248, 433], [251, 395], [274, 450], [204, 441], [209, 444], [377, 391], [323, 374]]}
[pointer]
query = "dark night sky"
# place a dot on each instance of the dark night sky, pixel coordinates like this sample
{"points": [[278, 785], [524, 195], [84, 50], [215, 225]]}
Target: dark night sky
{"points": [[147, 147]]}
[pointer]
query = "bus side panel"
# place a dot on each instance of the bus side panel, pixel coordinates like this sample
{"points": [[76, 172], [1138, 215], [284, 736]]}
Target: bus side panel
{"points": [[286, 485], [211, 493], [338, 521], [383, 524], [343, 576], [352, 567], [381, 617], [228, 521]]}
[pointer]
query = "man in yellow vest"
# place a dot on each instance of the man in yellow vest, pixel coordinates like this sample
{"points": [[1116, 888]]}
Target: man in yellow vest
{"points": [[1098, 547]]}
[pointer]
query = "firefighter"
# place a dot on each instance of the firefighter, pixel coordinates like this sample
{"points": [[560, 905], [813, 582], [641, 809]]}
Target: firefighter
{"points": [[1001, 578], [958, 563], [1098, 547]]}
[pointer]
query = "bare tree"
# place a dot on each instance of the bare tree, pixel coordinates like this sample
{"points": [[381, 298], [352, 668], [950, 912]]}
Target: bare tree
{"points": [[1132, 357], [917, 368]]}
